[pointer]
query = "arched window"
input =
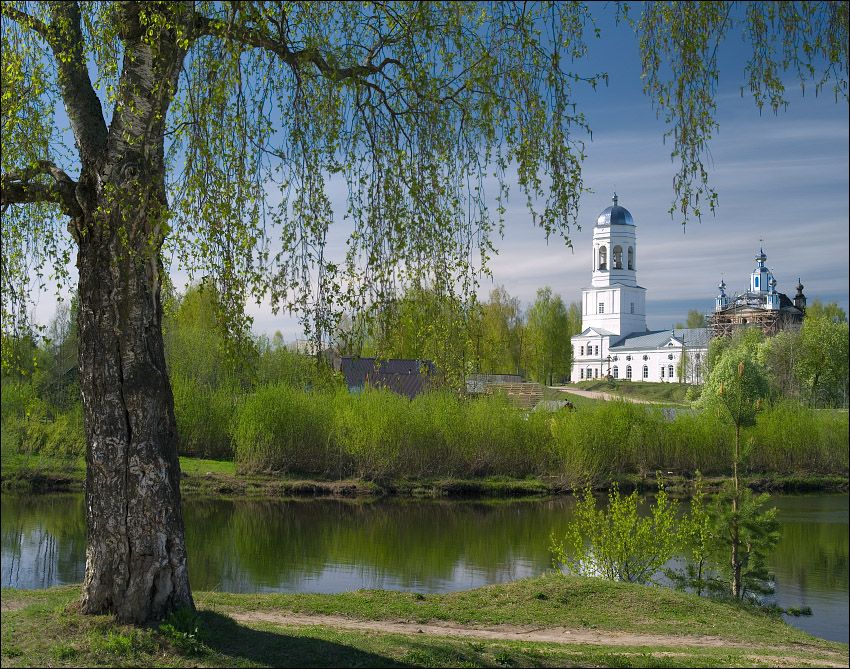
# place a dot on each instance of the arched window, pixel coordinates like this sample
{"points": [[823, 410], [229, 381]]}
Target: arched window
{"points": [[670, 370], [616, 372], [631, 258], [617, 257], [628, 371], [645, 372], [603, 258]]}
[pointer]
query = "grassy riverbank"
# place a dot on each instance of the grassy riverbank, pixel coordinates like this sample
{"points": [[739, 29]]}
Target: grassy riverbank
{"points": [[586, 622], [219, 478]]}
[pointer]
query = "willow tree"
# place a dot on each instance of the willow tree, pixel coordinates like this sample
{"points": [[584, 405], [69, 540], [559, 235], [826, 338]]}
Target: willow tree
{"points": [[214, 133]]}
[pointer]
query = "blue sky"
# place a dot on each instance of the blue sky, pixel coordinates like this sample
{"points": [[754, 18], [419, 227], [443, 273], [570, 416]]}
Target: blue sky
{"points": [[781, 178]]}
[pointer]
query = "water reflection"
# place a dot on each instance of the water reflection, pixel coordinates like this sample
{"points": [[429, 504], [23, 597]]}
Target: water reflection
{"points": [[428, 546]]}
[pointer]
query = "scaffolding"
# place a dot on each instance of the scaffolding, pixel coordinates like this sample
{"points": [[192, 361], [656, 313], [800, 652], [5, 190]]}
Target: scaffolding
{"points": [[748, 311]]}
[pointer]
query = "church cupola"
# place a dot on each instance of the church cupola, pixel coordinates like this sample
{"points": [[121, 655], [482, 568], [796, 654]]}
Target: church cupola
{"points": [[772, 300], [799, 298], [761, 276], [721, 301]]}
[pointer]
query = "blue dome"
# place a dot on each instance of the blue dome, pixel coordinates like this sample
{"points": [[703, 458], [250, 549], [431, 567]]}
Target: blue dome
{"points": [[615, 215]]}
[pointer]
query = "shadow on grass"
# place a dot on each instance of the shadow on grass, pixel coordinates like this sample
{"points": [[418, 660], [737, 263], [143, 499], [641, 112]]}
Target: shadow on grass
{"points": [[277, 649]]}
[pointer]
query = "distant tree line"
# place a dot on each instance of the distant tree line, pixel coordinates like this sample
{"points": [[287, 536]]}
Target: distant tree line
{"points": [[493, 337]]}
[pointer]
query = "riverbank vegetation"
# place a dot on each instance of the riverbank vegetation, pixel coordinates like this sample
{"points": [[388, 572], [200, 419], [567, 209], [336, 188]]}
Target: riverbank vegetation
{"points": [[377, 436], [44, 628], [276, 413]]}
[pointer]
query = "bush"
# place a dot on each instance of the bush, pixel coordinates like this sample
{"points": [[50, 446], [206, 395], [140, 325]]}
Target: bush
{"points": [[791, 438], [593, 444], [280, 429], [203, 415], [371, 429], [616, 543]]}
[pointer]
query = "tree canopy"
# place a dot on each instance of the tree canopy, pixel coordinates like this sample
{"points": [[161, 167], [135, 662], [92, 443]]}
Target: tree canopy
{"points": [[411, 109]]}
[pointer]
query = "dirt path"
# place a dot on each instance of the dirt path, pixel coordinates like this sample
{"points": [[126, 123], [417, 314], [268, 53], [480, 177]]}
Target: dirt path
{"points": [[560, 635]]}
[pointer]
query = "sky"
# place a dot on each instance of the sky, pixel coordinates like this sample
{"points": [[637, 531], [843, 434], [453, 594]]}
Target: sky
{"points": [[782, 182]]}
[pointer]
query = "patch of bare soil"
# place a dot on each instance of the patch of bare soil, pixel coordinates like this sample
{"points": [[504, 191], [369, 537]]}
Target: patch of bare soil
{"points": [[8, 604]]}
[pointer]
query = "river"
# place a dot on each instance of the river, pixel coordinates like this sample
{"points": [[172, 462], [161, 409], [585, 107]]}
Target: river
{"points": [[402, 544]]}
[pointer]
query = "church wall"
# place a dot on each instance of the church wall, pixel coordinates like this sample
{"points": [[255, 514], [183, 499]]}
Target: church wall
{"points": [[654, 360]]}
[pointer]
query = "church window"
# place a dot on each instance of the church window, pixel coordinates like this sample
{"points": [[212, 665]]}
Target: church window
{"points": [[628, 371], [631, 258], [601, 307], [603, 257], [631, 307], [670, 370], [645, 372], [757, 282], [617, 257], [616, 372]]}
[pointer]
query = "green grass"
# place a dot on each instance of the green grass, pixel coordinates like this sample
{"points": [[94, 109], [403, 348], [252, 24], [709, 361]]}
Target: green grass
{"points": [[43, 628], [551, 600], [202, 466]]}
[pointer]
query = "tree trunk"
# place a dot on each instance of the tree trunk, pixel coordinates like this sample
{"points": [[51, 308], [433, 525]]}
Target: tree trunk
{"points": [[736, 540], [736, 536], [135, 556]]}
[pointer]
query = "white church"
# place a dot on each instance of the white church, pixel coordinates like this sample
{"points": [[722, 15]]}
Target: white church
{"points": [[614, 339]]}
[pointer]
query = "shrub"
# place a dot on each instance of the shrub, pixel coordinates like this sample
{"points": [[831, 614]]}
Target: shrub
{"points": [[278, 428], [616, 543], [371, 429], [203, 415]]}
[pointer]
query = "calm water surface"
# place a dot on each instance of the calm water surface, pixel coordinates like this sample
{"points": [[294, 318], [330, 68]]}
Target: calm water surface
{"points": [[426, 546]]}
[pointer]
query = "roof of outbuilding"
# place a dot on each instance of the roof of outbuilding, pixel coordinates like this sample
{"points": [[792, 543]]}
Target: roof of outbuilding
{"points": [[690, 337], [403, 376]]}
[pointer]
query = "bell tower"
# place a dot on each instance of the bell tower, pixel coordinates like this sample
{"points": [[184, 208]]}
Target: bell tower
{"points": [[614, 302]]}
